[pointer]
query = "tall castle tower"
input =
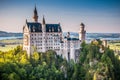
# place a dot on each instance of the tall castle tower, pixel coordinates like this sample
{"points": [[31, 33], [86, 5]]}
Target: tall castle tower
{"points": [[82, 32], [44, 34], [35, 17]]}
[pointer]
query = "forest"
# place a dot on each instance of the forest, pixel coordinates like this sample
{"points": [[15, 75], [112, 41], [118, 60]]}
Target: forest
{"points": [[96, 62]]}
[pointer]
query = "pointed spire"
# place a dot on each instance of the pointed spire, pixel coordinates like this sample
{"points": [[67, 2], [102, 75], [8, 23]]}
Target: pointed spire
{"points": [[35, 17], [82, 25], [35, 10], [43, 22]]}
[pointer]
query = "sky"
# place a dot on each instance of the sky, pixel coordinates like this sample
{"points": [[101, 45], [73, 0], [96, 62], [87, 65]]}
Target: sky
{"points": [[99, 16]]}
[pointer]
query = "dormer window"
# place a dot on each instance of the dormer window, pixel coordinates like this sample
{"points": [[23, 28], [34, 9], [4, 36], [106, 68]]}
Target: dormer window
{"points": [[33, 28], [52, 29], [49, 30], [39, 28], [58, 29]]}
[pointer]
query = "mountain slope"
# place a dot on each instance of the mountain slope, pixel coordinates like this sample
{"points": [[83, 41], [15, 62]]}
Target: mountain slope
{"points": [[9, 34]]}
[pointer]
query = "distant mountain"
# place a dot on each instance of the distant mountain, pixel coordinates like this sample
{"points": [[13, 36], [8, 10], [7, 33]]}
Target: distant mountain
{"points": [[9, 34], [107, 36], [72, 34], [103, 35]]}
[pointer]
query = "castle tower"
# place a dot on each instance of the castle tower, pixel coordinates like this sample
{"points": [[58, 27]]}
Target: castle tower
{"points": [[44, 34], [104, 42], [82, 32], [43, 25], [69, 46], [43, 21], [35, 17]]}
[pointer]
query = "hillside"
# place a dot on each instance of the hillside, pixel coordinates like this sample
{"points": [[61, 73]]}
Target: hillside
{"points": [[92, 65], [9, 34]]}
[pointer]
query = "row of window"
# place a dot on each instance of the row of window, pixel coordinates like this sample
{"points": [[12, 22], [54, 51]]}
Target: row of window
{"points": [[36, 34], [71, 41], [54, 47], [46, 44], [54, 44], [48, 48], [36, 41], [46, 34], [50, 41], [44, 38], [36, 38]]}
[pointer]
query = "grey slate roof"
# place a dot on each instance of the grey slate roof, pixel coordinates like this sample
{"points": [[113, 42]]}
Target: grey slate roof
{"points": [[69, 39], [53, 28], [37, 27], [34, 27]]}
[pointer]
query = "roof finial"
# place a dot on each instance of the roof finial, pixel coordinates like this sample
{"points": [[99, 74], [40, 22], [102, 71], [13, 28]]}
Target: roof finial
{"points": [[43, 22]]}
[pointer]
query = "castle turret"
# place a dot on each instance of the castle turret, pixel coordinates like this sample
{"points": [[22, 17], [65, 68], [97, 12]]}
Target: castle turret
{"points": [[68, 34], [35, 17], [82, 32], [44, 34], [43, 25], [104, 42]]}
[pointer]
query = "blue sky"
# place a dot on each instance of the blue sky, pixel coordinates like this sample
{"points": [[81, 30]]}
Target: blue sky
{"points": [[97, 15]]}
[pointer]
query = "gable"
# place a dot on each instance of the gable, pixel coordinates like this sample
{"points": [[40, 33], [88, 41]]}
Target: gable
{"points": [[25, 29]]}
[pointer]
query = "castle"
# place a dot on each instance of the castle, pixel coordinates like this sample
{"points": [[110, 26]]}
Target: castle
{"points": [[42, 37]]}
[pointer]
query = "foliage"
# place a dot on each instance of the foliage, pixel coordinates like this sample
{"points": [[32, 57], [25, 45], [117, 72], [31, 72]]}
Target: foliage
{"points": [[92, 64], [99, 65]]}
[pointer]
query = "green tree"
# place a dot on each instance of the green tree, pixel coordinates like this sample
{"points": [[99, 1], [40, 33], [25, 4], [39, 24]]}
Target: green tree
{"points": [[13, 76]]}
